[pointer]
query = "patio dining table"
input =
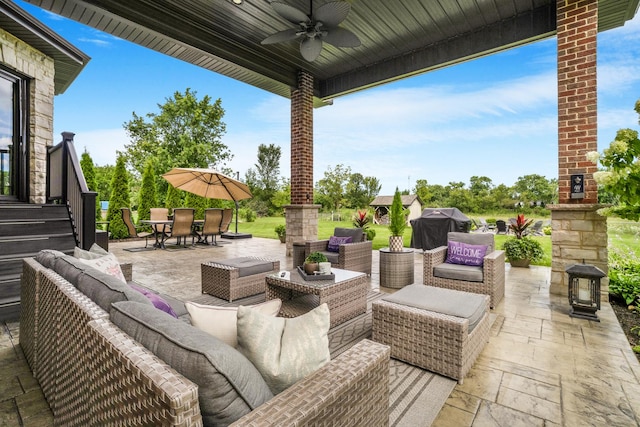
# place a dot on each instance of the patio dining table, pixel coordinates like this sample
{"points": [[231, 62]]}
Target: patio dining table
{"points": [[162, 236]]}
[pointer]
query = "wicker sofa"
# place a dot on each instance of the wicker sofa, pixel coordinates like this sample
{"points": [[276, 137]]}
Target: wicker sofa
{"points": [[92, 373], [355, 256]]}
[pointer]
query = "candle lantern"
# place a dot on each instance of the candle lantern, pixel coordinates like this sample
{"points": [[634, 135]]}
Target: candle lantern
{"points": [[584, 290]]}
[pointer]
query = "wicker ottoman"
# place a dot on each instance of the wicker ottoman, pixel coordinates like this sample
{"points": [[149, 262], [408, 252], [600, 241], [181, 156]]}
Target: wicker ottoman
{"points": [[235, 278], [418, 324]]}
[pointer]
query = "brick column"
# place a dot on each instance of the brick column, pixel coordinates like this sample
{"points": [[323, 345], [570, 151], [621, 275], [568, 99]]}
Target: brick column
{"points": [[579, 234], [302, 214], [577, 23]]}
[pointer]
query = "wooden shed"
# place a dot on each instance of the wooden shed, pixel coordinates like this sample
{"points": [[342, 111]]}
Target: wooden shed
{"points": [[382, 206]]}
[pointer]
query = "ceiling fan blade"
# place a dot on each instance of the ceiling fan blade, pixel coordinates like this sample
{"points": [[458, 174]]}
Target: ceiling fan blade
{"points": [[333, 13], [290, 13], [341, 37], [310, 48], [281, 36]]}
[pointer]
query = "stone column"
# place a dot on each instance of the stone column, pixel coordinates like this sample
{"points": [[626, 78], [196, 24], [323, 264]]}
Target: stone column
{"points": [[302, 214], [578, 232], [579, 235]]}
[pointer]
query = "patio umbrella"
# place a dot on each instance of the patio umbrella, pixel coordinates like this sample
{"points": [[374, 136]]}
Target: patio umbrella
{"points": [[207, 183]]}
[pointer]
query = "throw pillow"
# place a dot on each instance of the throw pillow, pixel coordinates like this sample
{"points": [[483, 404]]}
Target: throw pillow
{"points": [[221, 322], [107, 264], [94, 252], [465, 254], [155, 299], [335, 242], [284, 350]]}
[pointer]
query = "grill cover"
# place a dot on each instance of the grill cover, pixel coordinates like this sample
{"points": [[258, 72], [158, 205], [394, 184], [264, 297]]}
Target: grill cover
{"points": [[431, 228]]}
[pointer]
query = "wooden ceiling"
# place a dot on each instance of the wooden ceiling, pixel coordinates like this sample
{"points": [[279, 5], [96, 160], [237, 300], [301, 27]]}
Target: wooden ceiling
{"points": [[399, 38]]}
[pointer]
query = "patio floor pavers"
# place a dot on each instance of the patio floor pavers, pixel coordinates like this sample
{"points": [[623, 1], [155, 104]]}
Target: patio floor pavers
{"points": [[540, 367]]}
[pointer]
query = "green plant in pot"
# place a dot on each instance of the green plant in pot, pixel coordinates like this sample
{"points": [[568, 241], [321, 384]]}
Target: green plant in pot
{"points": [[362, 219], [397, 223], [312, 262], [281, 231], [521, 250]]}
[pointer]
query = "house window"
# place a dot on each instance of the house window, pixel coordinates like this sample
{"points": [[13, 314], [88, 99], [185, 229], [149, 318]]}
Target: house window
{"points": [[13, 136]]}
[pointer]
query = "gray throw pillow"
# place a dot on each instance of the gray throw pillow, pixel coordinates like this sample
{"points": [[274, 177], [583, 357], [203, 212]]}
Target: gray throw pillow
{"points": [[104, 289], [229, 386], [47, 257]]}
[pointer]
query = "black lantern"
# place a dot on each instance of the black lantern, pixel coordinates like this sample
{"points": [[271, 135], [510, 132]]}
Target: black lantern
{"points": [[584, 290]]}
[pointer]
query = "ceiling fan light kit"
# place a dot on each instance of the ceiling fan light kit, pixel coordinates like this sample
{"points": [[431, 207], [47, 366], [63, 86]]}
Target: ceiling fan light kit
{"points": [[315, 28]]}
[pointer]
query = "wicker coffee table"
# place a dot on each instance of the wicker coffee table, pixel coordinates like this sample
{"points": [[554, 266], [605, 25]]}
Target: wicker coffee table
{"points": [[346, 296]]}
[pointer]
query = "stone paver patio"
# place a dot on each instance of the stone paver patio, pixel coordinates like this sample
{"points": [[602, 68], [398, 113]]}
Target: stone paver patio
{"points": [[540, 367]]}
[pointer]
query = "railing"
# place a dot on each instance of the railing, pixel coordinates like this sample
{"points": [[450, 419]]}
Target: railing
{"points": [[66, 184]]}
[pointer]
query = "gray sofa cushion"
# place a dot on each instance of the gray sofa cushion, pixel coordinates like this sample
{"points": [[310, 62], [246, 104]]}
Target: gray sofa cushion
{"points": [[445, 301], [248, 266], [70, 268], [229, 386], [332, 257], [356, 234], [47, 257], [104, 289], [468, 273], [473, 239]]}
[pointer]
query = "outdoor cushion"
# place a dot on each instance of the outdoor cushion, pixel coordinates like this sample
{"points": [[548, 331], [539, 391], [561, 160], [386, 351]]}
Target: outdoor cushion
{"points": [[221, 322], [95, 251], [473, 239], [70, 268], [336, 241], [440, 300], [47, 257], [229, 386], [104, 289], [107, 264], [284, 350], [468, 273], [465, 254], [332, 257], [155, 299], [356, 234], [248, 266]]}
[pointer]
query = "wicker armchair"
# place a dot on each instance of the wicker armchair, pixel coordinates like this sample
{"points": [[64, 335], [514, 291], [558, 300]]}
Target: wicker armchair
{"points": [[355, 256], [492, 270]]}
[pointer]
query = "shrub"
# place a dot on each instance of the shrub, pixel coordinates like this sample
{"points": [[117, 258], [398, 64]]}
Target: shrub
{"points": [[397, 215], [524, 248], [248, 214], [624, 275], [281, 230]]}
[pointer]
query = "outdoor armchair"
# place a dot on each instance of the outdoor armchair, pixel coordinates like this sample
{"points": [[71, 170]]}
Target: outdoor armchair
{"points": [[487, 279], [354, 256], [212, 225], [182, 226]]}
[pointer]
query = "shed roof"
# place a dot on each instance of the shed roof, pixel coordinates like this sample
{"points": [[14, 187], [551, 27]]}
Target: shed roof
{"points": [[407, 200]]}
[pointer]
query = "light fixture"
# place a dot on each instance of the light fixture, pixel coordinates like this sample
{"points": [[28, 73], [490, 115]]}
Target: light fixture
{"points": [[237, 2], [584, 290]]}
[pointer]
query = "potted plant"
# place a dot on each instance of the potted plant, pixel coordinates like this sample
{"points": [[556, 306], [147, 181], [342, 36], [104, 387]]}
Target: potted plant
{"points": [[281, 231], [312, 262], [521, 250], [397, 223], [362, 219]]}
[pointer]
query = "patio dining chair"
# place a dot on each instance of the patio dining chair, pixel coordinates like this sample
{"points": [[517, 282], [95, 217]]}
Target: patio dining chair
{"points": [[227, 216], [182, 225], [211, 227], [160, 214], [133, 229]]}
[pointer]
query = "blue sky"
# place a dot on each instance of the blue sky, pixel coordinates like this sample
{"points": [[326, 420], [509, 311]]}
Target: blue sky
{"points": [[495, 116]]}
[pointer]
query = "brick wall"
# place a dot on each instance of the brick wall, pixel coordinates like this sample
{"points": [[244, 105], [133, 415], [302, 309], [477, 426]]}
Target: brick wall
{"points": [[577, 23], [19, 56], [302, 141]]}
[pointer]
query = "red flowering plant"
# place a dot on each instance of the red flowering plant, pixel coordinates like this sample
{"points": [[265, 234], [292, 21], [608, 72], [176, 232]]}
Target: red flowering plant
{"points": [[520, 226], [362, 219]]}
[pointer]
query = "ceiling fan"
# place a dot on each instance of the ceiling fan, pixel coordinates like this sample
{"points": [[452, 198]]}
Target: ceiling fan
{"points": [[315, 28]]}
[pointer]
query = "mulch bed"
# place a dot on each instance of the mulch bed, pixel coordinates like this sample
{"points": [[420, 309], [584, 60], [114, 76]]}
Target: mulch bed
{"points": [[628, 319]]}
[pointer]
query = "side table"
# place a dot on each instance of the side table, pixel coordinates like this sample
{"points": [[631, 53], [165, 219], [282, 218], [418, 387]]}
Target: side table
{"points": [[396, 268]]}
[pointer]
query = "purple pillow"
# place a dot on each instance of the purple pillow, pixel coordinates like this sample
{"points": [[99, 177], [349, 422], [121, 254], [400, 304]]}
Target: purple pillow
{"points": [[155, 299], [465, 254], [335, 242]]}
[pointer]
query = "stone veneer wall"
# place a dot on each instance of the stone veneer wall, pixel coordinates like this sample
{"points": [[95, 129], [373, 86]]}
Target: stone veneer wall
{"points": [[31, 63], [579, 234], [302, 224]]}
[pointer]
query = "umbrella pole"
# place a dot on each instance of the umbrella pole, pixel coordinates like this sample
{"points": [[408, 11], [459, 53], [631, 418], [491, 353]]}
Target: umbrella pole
{"points": [[236, 217]]}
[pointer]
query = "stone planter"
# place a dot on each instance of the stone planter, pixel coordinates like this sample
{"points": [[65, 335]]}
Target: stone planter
{"points": [[523, 263]]}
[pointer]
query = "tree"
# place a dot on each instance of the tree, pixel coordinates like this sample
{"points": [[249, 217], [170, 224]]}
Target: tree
{"points": [[103, 174], [535, 188], [119, 199], [86, 164], [331, 188], [263, 181], [173, 199], [198, 203], [147, 197], [620, 178], [186, 132]]}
